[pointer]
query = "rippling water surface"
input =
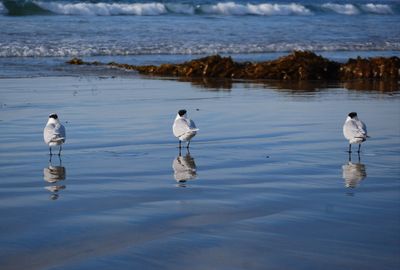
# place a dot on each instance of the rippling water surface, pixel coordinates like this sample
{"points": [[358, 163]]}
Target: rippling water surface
{"points": [[267, 183], [46, 33]]}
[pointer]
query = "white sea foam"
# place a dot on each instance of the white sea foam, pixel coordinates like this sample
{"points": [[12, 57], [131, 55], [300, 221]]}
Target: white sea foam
{"points": [[231, 8], [346, 9], [228, 8], [104, 9], [155, 8], [377, 8], [275, 9], [175, 48]]}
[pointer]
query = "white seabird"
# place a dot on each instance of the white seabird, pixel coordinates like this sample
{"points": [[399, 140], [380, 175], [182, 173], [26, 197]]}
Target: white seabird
{"points": [[54, 133], [354, 130], [183, 128]]}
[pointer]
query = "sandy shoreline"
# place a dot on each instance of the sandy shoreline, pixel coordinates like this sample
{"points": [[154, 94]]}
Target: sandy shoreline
{"points": [[269, 189], [268, 182]]}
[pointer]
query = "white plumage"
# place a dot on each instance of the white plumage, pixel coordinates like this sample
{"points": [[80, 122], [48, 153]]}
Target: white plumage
{"points": [[54, 132], [354, 130], [183, 128]]}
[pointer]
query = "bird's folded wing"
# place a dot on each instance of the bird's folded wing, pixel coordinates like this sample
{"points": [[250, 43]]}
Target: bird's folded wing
{"points": [[57, 139], [54, 133], [60, 129], [181, 126], [362, 127], [192, 126], [355, 130], [48, 133]]}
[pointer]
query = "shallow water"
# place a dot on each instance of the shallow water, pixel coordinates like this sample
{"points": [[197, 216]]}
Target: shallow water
{"points": [[37, 37], [270, 187]]}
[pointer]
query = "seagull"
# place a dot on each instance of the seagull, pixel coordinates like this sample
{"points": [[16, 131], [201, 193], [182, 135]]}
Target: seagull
{"points": [[183, 128], [54, 132], [354, 130]]}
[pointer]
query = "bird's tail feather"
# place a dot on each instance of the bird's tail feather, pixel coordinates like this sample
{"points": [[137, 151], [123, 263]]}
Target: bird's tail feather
{"points": [[57, 139]]}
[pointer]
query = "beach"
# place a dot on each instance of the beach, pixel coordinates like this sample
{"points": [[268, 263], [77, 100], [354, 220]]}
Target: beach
{"points": [[271, 184], [267, 182]]}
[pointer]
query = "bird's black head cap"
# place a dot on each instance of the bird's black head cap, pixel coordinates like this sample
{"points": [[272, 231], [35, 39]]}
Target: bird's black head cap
{"points": [[352, 114], [182, 112], [53, 115]]}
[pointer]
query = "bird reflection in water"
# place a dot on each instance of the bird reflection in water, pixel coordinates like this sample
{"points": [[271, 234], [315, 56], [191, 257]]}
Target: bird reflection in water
{"points": [[353, 173], [184, 168], [53, 175]]}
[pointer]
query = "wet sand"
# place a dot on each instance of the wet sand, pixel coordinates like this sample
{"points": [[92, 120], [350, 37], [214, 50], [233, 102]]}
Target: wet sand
{"points": [[270, 185]]}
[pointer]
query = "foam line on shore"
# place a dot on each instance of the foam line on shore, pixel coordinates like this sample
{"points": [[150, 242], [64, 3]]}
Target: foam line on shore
{"points": [[18, 49]]}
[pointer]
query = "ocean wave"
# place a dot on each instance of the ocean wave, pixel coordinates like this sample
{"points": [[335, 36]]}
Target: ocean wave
{"points": [[231, 8], [377, 8], [346, 9], [81, 50], [351, 9], [104, 9], [3, 10], [160, 8]]}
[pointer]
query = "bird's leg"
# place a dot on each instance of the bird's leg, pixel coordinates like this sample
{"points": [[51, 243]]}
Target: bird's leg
{"points": [[359, 148], [349, 147], [349, 157], [187, 146], [180, 144], [359, 159], [59, 152], [50, 151]]}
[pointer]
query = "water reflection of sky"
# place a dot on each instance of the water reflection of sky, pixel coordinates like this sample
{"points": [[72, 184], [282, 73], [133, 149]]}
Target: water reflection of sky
{"points": [[270, 177], [296, 87]]}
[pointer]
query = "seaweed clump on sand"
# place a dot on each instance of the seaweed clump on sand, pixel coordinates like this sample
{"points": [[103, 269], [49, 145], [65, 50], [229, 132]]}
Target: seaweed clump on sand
{"points": [[297, 66], [372, 68], [213, 66], [300, 65]]}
